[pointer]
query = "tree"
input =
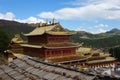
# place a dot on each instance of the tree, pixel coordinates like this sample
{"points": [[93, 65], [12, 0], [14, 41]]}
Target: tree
{"points": [[115, 51], [4, 40]]}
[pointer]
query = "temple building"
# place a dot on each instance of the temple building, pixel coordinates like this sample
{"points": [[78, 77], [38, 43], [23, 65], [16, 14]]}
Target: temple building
{"points": [[87, 58], [51, 42]]}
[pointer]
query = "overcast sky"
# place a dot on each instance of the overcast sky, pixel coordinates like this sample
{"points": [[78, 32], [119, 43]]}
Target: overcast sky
{"points": [[93, 16]]}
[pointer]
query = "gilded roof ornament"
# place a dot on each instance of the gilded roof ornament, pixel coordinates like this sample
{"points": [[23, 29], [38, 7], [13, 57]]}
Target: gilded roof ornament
{"points": [[17, 39]]}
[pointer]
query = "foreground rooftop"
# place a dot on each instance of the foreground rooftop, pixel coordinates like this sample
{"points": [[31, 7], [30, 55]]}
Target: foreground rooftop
{"points": [[29, 68]]}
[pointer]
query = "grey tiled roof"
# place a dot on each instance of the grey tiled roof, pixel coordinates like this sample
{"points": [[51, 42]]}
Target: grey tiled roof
{"points": [[31, 69]]}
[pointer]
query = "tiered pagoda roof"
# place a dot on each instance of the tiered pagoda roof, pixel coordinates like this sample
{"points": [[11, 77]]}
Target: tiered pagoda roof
{"points": [[50, 29]]}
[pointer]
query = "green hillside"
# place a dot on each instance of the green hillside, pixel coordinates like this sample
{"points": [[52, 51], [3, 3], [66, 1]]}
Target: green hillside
{"points": [[115, 51], [103, 40], [4, 40], [13, 27], [99, 43]]}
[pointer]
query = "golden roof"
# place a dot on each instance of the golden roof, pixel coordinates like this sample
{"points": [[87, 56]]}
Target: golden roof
{"points": [[60, 33], [52, 29], [84, 50]]}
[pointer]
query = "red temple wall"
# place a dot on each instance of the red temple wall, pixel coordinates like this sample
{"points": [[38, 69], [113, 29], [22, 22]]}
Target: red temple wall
{"points": [[37, 39], [33, 51], [60, 52], [49, 52], [58, 38], [48, 38]]}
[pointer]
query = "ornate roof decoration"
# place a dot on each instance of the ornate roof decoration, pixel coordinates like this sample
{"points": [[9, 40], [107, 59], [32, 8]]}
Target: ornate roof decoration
{"points": [[17, 39]]}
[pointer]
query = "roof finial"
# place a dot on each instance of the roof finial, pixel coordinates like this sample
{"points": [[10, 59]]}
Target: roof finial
{"points": [[40, 24], [54, 20]]}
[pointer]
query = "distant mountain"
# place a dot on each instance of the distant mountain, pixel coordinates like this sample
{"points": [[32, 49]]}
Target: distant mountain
{"points": [[13, 27], [114, 31]]}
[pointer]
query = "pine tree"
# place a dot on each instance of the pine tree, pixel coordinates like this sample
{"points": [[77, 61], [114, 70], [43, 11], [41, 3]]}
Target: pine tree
{"points": [[4, 40]]}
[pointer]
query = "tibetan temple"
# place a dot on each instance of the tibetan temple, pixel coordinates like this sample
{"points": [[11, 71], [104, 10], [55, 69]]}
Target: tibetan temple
{"points": [[51, 42]]}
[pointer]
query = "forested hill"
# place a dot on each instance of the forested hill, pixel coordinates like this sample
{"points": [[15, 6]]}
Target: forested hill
{"points": [[13, 27], [108, 39], [103, 40]]}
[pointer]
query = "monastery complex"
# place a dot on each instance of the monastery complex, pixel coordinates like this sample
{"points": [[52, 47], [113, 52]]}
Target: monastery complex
{"points": [[51, 42]]}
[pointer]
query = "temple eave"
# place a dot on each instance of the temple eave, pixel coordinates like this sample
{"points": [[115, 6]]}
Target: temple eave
{"points": [[38, 46], [53, 33], [31, 46], [100, 61], [61, 33], [60, 47], [31, 34], [71, 61], [67, 59]]}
